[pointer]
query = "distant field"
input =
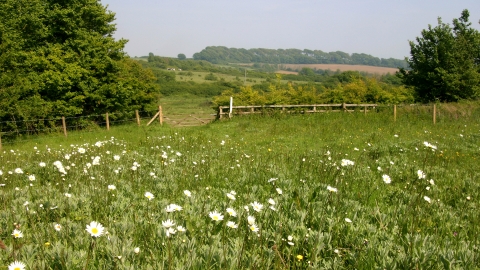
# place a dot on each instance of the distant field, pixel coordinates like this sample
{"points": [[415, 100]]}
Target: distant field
{"points": [[334, 67]]}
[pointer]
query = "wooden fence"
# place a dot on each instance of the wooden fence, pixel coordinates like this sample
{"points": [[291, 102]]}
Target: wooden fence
{"points": [[183, 120], [63, 124], [228, 111]]}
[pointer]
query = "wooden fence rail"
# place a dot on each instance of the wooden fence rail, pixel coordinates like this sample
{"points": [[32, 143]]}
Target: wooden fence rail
{"points": [[306, 108]]}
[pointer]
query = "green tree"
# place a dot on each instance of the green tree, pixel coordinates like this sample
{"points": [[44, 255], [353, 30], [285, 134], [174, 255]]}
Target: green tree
{"points": [[60, 56], [445, 62], [181, 56]]}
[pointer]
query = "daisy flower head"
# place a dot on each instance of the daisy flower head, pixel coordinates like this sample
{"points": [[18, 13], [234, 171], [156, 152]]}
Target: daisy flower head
{"points": [[279, 191], [95, 229], [216, 216], [187, 193], [181, 229], [271, 201], [57, 227], [386, 179], [346, 162], [231, 196], [348, 220], [16, 265], [31, 177], [42, 164], [272, 180], [116, 157], [173, 208], [17, 234], [136, 250], [149, 196], [112, 187], [421, 174], [253, 228], [177, 207], [18, 171], [231, 212], [170, 231], [257, 206], [251, 220], [232, 225], [332, 189], [429, 145], [168, 223], [427, 199], [81, 150]]}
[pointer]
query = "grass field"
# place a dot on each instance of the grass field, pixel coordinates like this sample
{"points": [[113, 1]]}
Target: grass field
{"points": [[199, 77], [336, 191], [335, 67]]}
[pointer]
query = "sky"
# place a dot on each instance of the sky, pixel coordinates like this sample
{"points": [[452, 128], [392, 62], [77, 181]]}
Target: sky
{"points": [[381, 28]]}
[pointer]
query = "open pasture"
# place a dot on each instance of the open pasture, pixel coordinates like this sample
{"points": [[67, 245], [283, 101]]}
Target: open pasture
{"points": [[334, 190], [342, 68]]}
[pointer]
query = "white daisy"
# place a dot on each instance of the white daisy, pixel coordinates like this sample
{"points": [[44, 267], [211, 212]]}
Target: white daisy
{"points": [[216, 216], [16, 265], [149, 196], [95, 229], [386, 179], [257, 206]]}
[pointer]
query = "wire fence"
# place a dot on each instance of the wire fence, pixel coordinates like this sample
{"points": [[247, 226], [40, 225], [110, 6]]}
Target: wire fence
{"points": [[17, 131]]}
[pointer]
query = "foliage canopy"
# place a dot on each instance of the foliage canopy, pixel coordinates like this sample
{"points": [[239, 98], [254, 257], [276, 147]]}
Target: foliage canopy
{"points": [[445, 62], [58, 58], [223, 55]]}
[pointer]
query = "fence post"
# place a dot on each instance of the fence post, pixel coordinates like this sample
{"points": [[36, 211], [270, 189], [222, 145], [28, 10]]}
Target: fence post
{"points": [[64, 126], [434, 113], [365, 109], [107, 120], [344, 107], [138, 117], [231, 105], [160, 115], [394, 113]]}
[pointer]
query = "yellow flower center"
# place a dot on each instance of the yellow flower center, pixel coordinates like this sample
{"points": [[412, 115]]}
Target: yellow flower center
{"points": [[94, 230], [17, 268]]}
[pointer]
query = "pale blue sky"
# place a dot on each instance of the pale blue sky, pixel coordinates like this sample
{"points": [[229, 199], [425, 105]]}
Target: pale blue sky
{"points": [[379, 28]]}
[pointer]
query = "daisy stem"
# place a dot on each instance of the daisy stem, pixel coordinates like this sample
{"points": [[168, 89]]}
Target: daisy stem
{"points": [[90, 252], [241, 251], [223, 244], [169, 253]]}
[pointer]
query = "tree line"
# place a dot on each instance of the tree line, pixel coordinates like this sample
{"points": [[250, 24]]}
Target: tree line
{"points": [[223, 55]]}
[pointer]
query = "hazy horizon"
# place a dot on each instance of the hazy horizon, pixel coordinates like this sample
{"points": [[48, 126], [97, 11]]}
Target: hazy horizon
{"points": [[380, 29]]}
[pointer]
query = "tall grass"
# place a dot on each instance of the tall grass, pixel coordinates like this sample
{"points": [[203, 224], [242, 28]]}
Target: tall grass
{"points": [[320, 180]]}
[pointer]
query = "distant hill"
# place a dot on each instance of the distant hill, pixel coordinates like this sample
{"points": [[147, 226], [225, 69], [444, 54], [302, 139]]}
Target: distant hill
{"points": [[224, 55]]}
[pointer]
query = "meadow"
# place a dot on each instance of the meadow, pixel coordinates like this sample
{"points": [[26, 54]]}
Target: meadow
{"points": [[323, 191]]}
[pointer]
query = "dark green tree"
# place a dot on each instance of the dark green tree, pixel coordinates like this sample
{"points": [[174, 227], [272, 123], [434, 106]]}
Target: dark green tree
{"points": [[58, 58], [445, 62], [181, 56]]}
